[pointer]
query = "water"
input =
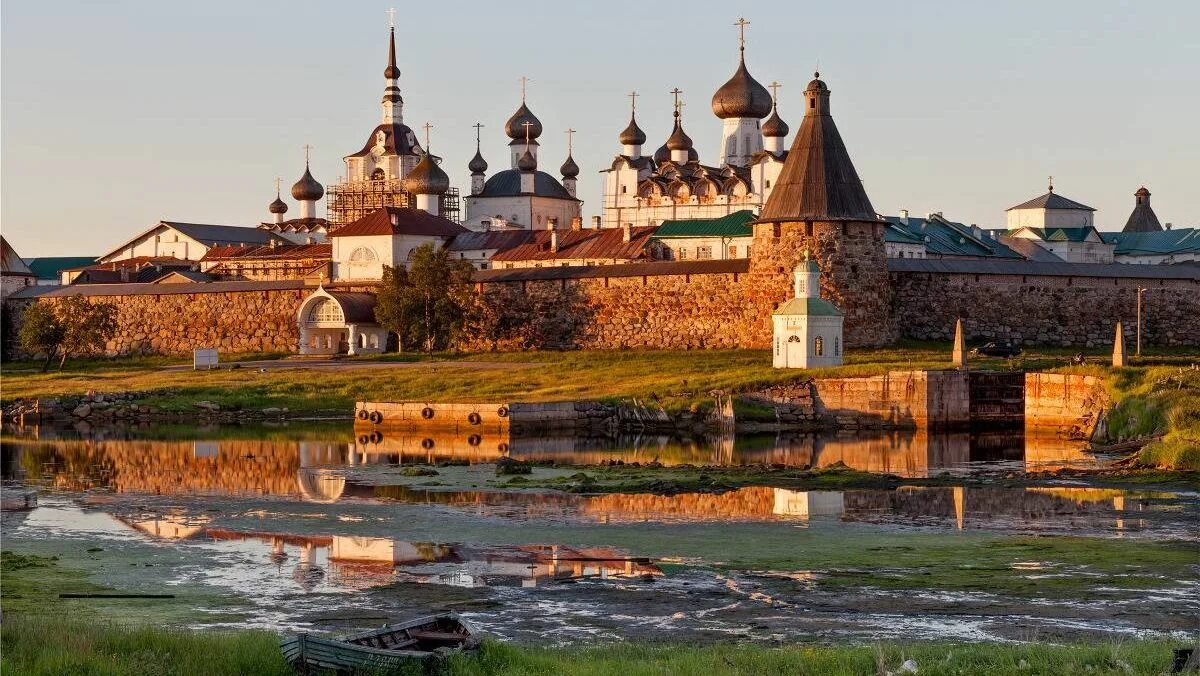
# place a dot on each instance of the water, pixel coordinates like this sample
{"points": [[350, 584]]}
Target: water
{"points": [[319, 527]]}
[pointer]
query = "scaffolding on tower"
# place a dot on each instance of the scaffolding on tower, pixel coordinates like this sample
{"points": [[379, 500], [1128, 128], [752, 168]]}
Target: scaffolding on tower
{"points": [[349, 201]]}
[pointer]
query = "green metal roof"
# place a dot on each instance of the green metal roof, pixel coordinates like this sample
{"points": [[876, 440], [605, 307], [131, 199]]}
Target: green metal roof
{"points": [[49, 267], [813, 307], [736, 224], [1181, 240], [945, 238]]}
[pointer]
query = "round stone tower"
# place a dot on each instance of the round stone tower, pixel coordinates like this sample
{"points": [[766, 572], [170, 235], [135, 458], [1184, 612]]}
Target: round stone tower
{"points": [[818, 206]]}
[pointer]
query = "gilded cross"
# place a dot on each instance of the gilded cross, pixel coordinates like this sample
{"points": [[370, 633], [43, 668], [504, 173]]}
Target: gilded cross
{"points": [[1051, 181], [478, 126], [633, 101], [676, 92], [427, 126], [307, 149], [527, 125], [774, 86], [741, 24], [277, 183], [392, 17], [570, 140]]}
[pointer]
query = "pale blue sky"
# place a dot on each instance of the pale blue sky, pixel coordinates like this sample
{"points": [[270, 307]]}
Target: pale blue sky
{"points": [[119, 114]]}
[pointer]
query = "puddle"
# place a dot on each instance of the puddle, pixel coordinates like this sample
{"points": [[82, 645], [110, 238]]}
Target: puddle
{"points": [[313, 528]]}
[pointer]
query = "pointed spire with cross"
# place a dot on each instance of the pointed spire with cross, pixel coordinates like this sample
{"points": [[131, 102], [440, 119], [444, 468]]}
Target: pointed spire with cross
{"points": [[741, 24], [1050, 180], [392, 17], [278, 183], [774, 87]]}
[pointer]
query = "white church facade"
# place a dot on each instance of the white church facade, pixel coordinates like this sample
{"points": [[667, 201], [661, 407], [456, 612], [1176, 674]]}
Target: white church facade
{"points": [[807, 329]]}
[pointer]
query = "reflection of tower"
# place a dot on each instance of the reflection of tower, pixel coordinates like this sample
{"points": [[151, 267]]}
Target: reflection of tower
{"points": [[307, 573], [278, 555]]}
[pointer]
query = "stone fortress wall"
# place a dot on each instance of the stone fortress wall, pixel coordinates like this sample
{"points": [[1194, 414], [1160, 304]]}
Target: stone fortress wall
{"points": [[721, 305]]}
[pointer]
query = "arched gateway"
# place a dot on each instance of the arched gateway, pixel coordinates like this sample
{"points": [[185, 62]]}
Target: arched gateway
{"points": [[339, 322]]}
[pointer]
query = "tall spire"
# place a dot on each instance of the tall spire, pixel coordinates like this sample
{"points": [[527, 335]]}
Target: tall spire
{"points": [[393, 104], [818, 181]]}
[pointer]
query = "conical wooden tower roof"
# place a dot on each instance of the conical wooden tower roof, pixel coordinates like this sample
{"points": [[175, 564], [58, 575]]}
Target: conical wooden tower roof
{"points": [[818, 181]]}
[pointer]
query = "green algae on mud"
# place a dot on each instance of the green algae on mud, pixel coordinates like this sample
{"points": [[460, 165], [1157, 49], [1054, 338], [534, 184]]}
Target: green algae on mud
{"points": [[38, 646]]}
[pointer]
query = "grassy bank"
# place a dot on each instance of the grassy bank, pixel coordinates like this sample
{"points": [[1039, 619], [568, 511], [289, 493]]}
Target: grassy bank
{"points": [[61, 646], [1161, 403], [677, 379]]}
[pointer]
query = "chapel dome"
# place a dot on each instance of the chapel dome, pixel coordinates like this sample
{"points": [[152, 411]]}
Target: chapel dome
{"points": [[515, 127], [817, 84], [427, 178], [307, 189], [569, 169], [278, 206], [679, 140], [663, 154], [774, 126], [741, 96], [477, 165], [633, 134], [527, 162]]}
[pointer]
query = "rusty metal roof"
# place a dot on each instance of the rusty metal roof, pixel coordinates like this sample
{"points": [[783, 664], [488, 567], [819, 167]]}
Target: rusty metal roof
{"points": [[493, 239], [606, 243], [156, 289], [648, 269], [400, 221], [278, 252]]}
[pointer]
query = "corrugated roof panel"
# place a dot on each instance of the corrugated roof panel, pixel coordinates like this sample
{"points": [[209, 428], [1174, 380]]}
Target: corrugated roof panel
{"points": [[736, 224]]}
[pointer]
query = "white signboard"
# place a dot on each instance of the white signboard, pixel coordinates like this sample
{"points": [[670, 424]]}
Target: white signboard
{"points": [[204, 359]]}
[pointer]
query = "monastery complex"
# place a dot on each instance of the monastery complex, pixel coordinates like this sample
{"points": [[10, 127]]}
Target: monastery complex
{"points": [[771, 243]]}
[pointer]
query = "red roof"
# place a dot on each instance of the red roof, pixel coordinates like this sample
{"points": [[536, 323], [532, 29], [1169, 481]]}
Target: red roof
{"points": [[400, 221], [277, 252], [603, 244], [136, 262]]}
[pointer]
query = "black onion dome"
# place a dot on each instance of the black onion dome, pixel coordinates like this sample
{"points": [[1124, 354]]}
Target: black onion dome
{"points": [[527, 162], [774, 126], [307, 189], [477, 165], [679, 140], [633, 134], [663, 154], [569, 169], [515, 127], [741, 96], [427, 178], [278, 206]]}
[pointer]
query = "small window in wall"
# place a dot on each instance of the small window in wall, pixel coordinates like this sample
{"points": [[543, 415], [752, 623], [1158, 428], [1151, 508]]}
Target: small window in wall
{"points": [[818, 347], [768, 183], [624, 189], [703, 252], [362, 255], [732, 251], [683, 254], [733, 146], [837, 346], [812, 103]]}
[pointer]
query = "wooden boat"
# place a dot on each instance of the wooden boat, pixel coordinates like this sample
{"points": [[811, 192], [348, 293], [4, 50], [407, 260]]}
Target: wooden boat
{"points": [[390, 646]]}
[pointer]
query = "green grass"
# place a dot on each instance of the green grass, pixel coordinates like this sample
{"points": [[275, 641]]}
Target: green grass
{"points": [[45, 646], [677, 379]]}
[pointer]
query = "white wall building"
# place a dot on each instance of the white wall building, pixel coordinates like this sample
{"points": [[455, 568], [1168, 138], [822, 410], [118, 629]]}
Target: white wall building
{"points": [[386, 237], [807, 329], [339, 322], [188, 241]]}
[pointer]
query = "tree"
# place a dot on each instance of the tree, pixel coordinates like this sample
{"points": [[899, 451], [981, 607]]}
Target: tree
{"points": [[425, 305], [74, 325], [41, 332], [88, 326]]}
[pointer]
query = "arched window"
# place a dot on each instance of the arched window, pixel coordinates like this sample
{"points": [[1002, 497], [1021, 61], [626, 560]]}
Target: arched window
{"points": [[733, 146], [377, 175], [326, 311], [363, 255], [837, 346], [818, 347]]}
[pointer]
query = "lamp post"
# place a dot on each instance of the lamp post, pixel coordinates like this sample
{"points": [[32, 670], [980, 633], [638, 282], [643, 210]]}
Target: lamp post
{"points": [[1140, 291]]}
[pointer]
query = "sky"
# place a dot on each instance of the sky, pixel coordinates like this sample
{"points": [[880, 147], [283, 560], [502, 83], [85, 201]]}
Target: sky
{"points": [[116, 115]]}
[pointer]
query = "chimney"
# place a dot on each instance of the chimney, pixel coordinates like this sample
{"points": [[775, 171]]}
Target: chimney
{"points": [[595, 222], [551, 223], [577, 223], [904, 216], [1167, 226], [553, 240], [626, 232]]}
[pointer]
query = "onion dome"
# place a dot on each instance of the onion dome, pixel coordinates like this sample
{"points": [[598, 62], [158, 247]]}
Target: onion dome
{"points": [[477, 165], [774, 126], [663, 154], [569, 169], [278, 206], [527, 162], [515, 127], [633, 134], [307, 189], [392, 72], [678, 139], [427, 178], [741, 96]]}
